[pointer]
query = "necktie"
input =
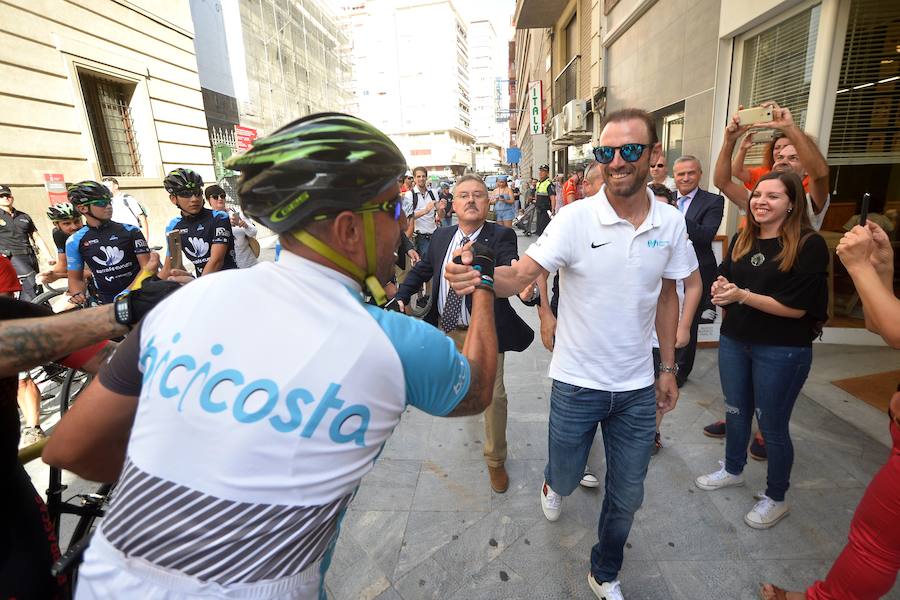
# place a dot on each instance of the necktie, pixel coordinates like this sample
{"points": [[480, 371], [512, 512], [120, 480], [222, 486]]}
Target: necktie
{"points": [[453, 305], [681, 202]]}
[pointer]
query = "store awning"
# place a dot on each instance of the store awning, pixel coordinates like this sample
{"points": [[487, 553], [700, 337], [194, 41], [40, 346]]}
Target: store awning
{"points": [[536, 14]]}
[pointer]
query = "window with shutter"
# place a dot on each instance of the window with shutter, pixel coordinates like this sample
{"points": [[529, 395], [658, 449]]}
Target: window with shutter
{"points": [[777, 65], [866, 124]]}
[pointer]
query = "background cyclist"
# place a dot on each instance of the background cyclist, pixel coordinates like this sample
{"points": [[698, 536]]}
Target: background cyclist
{"points": [[66, 221], [115, 252], [206, 237]]}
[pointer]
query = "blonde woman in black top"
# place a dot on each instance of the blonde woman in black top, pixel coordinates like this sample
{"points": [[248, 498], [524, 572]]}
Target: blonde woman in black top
{"points": [[773, 285]]}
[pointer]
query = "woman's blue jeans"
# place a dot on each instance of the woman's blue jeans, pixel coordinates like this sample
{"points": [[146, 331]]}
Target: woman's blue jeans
{"points": [[628, 422], [764, 380]]}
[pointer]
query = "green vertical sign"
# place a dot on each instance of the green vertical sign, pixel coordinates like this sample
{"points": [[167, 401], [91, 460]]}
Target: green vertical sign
{"points": [[222, 152]]}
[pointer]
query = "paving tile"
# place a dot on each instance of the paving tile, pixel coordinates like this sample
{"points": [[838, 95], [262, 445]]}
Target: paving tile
{"points": [[389, 486], [427, 581], [379, 533], [495, 581], [427, 532], [453, 485], [353, 573], [479, 544]]}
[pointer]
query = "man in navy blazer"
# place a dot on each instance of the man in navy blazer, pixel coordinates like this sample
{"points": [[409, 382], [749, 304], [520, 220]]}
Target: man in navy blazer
{"points": [[470, 203], [702, 212]]}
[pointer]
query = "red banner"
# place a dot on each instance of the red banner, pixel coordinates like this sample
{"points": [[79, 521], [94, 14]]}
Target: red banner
{"points": [[56, 187], [244, 137]]}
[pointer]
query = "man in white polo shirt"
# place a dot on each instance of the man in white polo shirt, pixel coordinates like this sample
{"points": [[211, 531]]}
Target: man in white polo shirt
{"points": [[619, 254]]}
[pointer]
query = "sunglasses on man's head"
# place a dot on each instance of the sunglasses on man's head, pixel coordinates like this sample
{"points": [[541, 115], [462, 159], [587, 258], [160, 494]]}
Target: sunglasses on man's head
{"points": [[628, 152]]}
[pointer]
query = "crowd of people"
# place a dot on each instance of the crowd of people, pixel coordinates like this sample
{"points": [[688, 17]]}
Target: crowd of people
{"points": [[272, 448]]}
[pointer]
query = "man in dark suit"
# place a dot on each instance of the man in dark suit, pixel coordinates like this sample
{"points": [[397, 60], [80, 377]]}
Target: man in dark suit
{"points": [[451, 313], [702, 212]]}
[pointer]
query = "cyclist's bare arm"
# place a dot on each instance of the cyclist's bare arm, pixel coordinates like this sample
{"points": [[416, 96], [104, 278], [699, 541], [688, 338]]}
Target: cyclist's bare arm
{"points": [[481, 351], [92, 438], [26, 343], [216, 258], [76, 285]]}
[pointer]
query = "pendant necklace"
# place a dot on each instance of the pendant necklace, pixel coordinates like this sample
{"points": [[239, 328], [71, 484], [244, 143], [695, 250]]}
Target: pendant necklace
{"points": [[758, 258]]}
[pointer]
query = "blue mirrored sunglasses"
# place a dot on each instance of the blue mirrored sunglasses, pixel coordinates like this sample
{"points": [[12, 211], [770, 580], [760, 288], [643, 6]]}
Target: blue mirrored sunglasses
{"points": [[628, 152]]}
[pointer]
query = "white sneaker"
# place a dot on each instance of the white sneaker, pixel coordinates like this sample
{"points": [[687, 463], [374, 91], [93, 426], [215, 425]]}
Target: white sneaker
{"points": [[611, 590], [766, 513], [589, 480], [550, 502], [719, 479]]}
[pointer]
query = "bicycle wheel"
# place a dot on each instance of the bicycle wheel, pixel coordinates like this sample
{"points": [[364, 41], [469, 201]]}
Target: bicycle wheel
{"points": [[44, 298]]}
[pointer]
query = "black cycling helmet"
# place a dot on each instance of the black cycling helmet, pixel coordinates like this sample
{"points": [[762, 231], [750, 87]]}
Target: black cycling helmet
{"points": [[320, 164], [62, 212], [85, 191], [183, 180]]}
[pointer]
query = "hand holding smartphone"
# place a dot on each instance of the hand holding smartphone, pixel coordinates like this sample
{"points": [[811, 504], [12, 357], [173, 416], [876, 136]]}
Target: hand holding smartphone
{"points": [[173, 242]]}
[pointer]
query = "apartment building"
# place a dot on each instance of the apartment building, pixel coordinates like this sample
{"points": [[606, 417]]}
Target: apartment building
{"points": [[411, 78]]}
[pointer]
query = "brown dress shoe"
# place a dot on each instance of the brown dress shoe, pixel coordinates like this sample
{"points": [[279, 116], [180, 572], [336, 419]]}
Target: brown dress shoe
{"points": [[499, 478]]}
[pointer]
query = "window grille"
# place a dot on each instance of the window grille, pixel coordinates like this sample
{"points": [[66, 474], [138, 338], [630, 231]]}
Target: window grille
{"points": [[112, 127]]}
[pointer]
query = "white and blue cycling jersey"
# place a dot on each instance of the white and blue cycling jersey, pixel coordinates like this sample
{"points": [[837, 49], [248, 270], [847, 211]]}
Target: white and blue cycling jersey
{"points": [[110, 251], [200, 232], [253, 441]]}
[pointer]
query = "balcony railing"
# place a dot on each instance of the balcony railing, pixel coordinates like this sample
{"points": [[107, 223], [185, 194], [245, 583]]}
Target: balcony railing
{"points": [[565, 86]]}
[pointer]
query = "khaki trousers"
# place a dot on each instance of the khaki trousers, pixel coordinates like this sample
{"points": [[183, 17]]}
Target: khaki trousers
{"points": [[495, 414]]}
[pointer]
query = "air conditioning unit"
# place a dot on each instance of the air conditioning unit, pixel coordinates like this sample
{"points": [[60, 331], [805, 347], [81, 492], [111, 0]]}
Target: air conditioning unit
{"points": [[575, 115], [558, 128]]}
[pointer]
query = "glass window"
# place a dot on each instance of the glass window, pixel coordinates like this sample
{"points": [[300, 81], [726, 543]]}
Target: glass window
{"points": [[109, 113]]}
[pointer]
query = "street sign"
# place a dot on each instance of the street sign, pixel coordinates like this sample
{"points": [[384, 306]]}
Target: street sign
{"points": [[535, 107], [513, 155], [55, 183], [244, 137]]}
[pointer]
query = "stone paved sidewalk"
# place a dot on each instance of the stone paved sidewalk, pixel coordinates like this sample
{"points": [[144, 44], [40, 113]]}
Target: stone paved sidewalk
{"points": [[425, 523]]}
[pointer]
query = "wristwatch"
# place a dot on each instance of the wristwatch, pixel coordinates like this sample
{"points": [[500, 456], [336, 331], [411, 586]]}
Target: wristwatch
{"points": [[664, 369], [122, 309]]}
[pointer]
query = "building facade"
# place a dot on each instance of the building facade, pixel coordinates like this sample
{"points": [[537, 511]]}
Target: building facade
{"points": [[78, 105], [834, 63], [411, 78], [490, 96]]}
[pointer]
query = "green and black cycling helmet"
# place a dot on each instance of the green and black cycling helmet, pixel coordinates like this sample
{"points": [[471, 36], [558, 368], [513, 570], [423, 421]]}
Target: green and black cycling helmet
{"points": [[64, 211], [85, 191], [320, 164], [183, 180]]}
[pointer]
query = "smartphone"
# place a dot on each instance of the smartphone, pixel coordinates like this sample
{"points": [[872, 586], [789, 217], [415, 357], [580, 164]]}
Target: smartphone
{"points": [[173, 241], [760, 114], [763, 136], [864, 209]]}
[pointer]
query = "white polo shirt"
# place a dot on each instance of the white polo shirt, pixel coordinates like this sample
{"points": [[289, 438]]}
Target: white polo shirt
{"points": [[610, 278]]}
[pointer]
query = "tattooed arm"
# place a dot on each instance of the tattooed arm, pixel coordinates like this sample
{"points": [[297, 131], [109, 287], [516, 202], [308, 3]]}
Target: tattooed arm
{"points": [[26, 343]]}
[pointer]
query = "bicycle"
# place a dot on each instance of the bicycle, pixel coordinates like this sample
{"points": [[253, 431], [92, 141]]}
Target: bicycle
{"points": [[89, 507]]}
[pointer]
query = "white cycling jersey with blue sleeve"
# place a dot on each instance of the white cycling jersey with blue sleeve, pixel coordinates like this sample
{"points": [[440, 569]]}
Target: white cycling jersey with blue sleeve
{"points": [[252, 434]]}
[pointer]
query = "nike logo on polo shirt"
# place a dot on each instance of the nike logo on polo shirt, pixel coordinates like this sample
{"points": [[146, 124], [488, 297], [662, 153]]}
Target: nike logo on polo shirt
{"points": [[593, 245]]}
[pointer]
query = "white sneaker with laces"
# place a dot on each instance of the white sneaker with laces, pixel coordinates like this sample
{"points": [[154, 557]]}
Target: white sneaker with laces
{"points": [[610, 590], [766, 513], [719, 479], [589, 480], [550, 502]]}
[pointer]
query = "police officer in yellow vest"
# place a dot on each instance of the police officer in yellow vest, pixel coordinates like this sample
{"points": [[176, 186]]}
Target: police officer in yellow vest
{"points": [[545, 198]]}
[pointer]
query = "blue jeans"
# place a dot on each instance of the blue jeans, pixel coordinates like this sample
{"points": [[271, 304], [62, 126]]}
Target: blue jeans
{"points": [[765, 380], [628, 422]]}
